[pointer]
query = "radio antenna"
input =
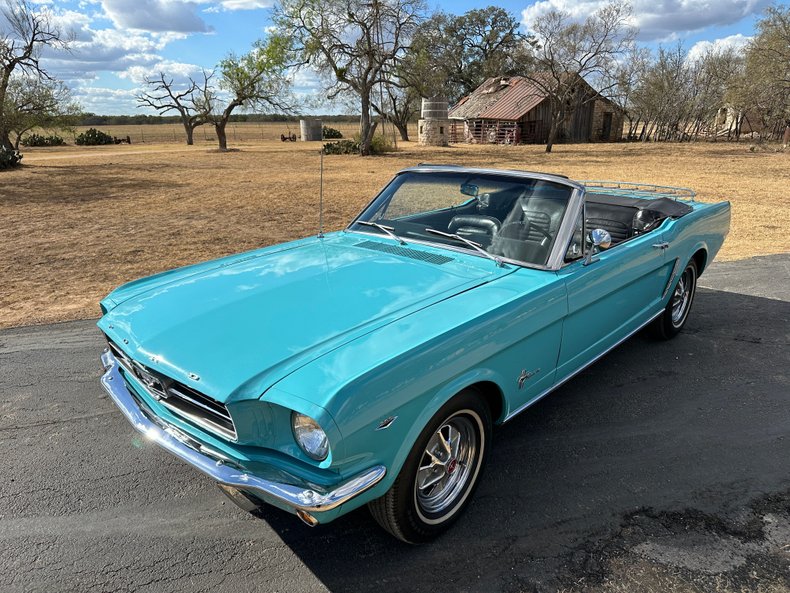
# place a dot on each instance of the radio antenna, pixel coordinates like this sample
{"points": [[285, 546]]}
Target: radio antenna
{"points": [[321, 198]]}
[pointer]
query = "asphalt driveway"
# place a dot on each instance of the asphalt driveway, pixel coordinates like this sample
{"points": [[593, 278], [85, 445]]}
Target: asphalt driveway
{"points": [[664, 467]]}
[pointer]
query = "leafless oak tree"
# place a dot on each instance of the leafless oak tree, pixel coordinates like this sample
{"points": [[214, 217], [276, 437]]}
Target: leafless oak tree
{"points": [[355, 43], [567, 51], [165, 97]]}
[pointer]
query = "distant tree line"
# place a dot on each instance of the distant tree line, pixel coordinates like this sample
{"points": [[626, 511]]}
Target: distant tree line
{"points": [[378, 58], [92, 119]]}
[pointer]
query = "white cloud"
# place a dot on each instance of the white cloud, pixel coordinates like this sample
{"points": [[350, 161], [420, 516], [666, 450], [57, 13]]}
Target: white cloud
{"points": [[658, 19], [155, 15], [106, 100], [178, 71], [700, 48], [246, 4]]}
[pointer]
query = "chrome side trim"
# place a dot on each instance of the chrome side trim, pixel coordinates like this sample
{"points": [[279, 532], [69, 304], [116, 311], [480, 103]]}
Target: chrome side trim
{"points": [[579, 370], [671, 278], [183, 447]]}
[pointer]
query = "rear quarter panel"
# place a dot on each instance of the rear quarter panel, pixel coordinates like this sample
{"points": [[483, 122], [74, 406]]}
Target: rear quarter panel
{"points": [[703, 229]]}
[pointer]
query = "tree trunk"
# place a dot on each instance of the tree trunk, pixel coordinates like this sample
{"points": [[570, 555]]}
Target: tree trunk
{"points": [[403, 128], [552, 133], [365, 135], [190, 131], [5, 141], [221, 137]]}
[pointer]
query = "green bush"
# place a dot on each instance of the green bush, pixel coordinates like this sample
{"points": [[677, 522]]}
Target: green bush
{"points": [[342, 147], [9, 158], [380, 144], [94, 137], [39, 140], [331, 133]]}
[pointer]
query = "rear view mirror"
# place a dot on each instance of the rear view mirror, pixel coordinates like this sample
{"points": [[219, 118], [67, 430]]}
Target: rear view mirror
{"points": [[469, 189]]}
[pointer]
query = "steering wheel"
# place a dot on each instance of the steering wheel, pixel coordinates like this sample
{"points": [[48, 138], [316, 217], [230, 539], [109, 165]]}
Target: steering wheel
{"points": [[546, 236]]}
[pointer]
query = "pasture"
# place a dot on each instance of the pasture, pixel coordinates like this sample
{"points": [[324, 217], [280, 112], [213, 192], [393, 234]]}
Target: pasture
{"points": [[76, 222]]}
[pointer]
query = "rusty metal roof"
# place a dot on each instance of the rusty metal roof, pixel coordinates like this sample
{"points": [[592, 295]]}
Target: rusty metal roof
{"points": [[500, 98]]}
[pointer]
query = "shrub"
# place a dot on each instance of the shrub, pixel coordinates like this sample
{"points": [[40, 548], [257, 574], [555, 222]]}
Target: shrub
{"points": [[331, 133], [9, 158], [94, 137], [380, 144], [39, 140], [342, 147]]}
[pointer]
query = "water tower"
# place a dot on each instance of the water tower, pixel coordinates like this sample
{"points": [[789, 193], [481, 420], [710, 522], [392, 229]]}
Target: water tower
{"points": [[434, 125]]}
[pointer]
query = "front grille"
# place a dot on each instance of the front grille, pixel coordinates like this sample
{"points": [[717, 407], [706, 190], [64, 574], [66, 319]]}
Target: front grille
{"points": [[182, 400]]}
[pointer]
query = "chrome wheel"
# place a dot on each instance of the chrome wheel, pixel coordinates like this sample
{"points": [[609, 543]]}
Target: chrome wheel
{"points": [[447, 463], [439, 475], [681, 298]]}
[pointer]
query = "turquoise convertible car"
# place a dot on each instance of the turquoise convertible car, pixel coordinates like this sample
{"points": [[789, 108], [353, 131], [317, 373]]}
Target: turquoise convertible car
{"points": [[368, 366]]}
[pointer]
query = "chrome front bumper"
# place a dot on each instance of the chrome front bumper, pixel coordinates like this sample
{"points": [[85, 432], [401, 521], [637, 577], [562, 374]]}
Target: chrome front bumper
{"points": [[284, 495]]}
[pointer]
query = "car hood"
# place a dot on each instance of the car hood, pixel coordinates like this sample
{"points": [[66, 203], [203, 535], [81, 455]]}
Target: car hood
{"points": [[233, 329]]}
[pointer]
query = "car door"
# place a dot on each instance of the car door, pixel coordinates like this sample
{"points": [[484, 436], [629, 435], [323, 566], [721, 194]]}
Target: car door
{"points": [[611, 297]]}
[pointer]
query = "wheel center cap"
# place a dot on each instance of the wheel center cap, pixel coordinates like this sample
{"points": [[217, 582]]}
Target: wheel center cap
{"points": [[452, 465]]}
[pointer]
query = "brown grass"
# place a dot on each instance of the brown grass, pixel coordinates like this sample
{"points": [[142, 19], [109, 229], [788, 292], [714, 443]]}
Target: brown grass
{"points": [[76, 222]]}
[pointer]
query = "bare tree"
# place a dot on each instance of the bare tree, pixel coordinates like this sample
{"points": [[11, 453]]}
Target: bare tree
{"points": [[768, 71], [568, 51], [258, 79], [397, 105], [24, 32], [355, 43], [164, 97]]}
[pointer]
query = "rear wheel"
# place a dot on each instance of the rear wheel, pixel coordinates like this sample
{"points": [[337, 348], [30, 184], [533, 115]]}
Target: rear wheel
{"points": [[672, 320], [440, 473]]}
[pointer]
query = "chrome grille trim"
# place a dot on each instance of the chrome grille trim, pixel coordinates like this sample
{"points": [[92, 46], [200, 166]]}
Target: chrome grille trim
{"points": [[182, 400]]}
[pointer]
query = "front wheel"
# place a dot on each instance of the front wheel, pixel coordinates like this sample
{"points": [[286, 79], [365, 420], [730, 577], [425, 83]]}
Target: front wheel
{"points": [[440, 473], [672, 320]]}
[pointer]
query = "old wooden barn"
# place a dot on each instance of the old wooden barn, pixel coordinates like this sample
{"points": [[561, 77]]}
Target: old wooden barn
{"points": [[514, 110]]}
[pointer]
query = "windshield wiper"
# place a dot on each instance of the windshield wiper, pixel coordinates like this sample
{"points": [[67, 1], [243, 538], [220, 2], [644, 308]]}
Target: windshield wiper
{"points": [[471, 244], [387, 229]]}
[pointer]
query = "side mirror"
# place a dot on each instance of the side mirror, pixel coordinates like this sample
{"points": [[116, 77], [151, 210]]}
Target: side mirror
{"points": [[600, 239]]}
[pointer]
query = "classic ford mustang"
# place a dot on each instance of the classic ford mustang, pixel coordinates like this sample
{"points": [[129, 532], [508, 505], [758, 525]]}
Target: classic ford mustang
{"points": [[368, 366]]}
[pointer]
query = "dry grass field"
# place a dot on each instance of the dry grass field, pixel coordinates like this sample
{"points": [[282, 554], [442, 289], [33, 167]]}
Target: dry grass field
{"points": [[76, 222]]}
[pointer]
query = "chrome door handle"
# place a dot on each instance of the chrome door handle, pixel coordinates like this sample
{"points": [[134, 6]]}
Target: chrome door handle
{"points": [[663, 245]]}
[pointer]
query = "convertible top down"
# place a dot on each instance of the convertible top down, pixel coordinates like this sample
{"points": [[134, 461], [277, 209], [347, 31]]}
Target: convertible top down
{"points": [[368, 366]]}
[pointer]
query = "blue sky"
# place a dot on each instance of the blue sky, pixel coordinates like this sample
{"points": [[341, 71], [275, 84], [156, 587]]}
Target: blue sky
{"points": [[120, 41]]}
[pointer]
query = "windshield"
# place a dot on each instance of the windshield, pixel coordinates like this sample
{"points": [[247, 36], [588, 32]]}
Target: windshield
{"points": [[508, 217]]}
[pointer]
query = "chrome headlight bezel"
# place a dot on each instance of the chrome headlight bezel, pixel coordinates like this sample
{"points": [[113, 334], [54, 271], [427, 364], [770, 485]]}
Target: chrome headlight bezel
{"points": [[310, 437]]}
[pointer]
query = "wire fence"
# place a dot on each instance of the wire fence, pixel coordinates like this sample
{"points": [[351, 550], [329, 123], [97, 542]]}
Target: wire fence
{"points": [[236, 132]]}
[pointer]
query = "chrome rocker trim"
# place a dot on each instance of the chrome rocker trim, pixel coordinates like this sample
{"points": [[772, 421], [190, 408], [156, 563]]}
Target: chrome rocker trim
{"points": [[173, 441]]}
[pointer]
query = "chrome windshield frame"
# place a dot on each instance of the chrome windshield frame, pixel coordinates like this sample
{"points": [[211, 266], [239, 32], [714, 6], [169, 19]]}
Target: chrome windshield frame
{"points": [[564, 234]]}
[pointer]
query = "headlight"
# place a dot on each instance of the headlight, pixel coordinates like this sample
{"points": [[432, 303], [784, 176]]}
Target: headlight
{"points": [[311, 438]]}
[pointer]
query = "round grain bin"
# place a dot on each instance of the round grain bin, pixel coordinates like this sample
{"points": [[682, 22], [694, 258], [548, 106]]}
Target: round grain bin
{"points": [[310, 129], [434, 125]]}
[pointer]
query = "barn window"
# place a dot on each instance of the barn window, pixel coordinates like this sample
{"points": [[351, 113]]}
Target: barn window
{"points": [[420, 129], [441, 129]]}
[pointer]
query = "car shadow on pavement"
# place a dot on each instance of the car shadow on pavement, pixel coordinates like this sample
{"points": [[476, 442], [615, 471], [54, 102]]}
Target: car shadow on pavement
{"points": [[654, 456]]}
